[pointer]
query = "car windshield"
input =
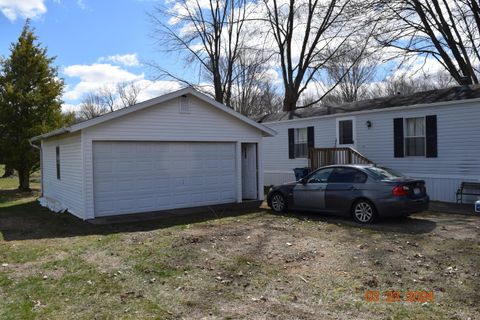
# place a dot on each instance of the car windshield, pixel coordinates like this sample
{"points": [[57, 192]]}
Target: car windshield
{"points": [[384, 173]]}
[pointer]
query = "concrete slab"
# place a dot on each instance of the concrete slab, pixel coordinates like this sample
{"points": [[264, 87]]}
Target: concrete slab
{"points": [[219, 210]]}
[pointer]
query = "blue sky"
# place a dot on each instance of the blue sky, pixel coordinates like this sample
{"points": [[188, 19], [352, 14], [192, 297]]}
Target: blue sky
{"points": [[94, 41], [100, 43]]}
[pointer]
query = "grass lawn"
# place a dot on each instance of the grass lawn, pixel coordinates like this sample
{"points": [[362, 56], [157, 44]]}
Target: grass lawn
{"points": [[253, 266]]}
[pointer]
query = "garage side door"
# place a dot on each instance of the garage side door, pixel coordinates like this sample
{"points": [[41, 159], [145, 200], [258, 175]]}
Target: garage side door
{"points": [[134, 177]]}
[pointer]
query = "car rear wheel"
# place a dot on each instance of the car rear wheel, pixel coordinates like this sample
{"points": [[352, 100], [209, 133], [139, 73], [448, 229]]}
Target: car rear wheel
{"points": [[278, 202], [363, 211]]}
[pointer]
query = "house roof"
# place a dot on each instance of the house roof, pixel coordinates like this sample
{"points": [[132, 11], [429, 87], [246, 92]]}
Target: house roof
{"points": [[416, 99], [152, 102]]}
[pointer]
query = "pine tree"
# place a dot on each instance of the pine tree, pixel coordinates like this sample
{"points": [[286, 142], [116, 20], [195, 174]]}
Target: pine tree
{"points": [[30, 104]]}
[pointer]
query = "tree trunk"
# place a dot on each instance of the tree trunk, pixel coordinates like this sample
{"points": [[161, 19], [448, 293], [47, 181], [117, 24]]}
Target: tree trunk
{"points": [[24, 180], [8, 171], [290, 100]]}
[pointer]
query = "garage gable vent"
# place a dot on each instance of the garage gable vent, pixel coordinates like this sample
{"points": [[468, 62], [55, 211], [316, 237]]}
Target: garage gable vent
{"points": [[184, 104]]}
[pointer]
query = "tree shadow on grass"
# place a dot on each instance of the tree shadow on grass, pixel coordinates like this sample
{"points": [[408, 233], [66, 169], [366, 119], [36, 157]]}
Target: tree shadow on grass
{"points": [[415, 224], [28, 221]]}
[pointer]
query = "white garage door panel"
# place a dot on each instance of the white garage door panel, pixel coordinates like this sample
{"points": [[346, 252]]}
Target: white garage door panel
{"points": [[148, 176]]}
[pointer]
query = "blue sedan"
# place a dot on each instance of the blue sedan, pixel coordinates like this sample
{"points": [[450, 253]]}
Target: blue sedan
{"points": [[364, 192]]}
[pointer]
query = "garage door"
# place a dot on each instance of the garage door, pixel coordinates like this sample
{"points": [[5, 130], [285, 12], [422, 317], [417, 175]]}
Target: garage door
{"points": [[149, 176]]}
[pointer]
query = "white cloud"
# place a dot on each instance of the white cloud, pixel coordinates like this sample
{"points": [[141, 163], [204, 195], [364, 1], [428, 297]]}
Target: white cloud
{"points": [[81, 4], [12, 9], [129, 60], [150, 89], [95, 76], [68, 107], [99, 75]]}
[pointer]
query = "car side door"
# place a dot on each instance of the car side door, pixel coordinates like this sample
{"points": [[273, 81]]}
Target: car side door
{"points": [[344, 185], [310, 193]]}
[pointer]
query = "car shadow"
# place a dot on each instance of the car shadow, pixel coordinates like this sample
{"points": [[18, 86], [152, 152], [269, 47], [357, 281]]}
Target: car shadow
{"points": [[30, 221], [415, 224]]}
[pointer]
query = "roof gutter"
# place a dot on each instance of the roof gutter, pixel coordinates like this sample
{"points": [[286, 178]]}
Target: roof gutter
{"points": [[50, 134]]}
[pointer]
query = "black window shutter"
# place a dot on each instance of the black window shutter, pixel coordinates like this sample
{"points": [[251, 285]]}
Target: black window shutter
{"points": [[291, 143], [311, 137], [398, 137], [431, 136]]}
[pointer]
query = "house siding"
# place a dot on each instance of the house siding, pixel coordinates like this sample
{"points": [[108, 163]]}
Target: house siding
{"points": [[458, 139], [165, 122], [68, 191]]}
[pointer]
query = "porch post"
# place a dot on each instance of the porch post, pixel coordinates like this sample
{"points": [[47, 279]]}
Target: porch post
{"points": [[238, 162], [260, 171]]}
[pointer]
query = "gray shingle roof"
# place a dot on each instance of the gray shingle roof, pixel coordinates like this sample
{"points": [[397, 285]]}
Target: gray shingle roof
{"points": [[426, 97]]}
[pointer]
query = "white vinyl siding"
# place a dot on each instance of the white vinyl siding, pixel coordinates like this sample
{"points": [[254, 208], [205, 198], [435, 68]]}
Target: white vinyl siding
{"points": [[458, 140], [68, 190]]}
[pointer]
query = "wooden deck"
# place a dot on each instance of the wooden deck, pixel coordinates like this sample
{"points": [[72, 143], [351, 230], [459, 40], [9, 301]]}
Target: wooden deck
{"points": [[320, 157]]}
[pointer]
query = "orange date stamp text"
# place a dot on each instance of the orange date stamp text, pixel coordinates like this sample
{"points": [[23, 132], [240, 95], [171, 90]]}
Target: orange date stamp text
{"points": [[398, 296]]}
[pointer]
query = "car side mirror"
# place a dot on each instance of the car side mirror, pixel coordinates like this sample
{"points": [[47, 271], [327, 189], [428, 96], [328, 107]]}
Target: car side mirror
{"points": [[303, 181]]}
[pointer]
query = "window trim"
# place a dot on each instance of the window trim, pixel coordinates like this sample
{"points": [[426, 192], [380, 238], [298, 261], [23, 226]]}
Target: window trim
{"points": [[354, 131], [295, 135], [424, 137], [57, 162]]}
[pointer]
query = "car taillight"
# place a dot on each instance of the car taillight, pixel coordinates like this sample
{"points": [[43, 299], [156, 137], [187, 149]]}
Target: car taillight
{"points": [[399, 191]]}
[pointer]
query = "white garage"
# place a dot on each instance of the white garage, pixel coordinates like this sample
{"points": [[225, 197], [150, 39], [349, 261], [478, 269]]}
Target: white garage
{"points": [[179, 150]]}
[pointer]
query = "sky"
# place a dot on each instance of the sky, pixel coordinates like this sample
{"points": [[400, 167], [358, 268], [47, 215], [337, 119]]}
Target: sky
{"points": [[95, 42], [99, 43]]}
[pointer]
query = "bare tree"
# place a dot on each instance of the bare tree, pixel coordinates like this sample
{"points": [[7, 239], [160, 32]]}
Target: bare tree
{"points": [[92, 106], [106, 99], [352, 71], [253, 91], [307, 35], [405, 85], [128, 93], [446, 30], [210, 32]]}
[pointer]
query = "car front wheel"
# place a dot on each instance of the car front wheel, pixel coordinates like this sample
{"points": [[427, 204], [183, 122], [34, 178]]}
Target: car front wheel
{"points": [[363, 211], [278, 202]]}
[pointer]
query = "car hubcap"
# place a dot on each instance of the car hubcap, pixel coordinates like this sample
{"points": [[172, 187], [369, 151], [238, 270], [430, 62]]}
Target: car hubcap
{"points": [[363, 212], [278, 203]]}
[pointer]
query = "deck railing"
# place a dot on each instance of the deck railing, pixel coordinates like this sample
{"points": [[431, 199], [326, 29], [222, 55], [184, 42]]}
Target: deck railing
{"points": [[320, 157]]}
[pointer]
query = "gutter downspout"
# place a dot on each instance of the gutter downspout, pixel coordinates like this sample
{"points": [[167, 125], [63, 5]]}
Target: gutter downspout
{"points": [[41, 165]]}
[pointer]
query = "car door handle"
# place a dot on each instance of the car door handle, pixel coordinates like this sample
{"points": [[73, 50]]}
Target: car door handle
{"points": [[352, 188]]}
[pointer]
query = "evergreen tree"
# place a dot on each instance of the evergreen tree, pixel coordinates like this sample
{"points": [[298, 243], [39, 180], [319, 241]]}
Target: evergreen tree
{"points": [[30, 104]]}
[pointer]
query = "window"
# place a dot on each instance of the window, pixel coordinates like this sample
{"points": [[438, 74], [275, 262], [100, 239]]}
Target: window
{"points": [[57, 151], [320, 176], [184, 104], [347, 175], [415, 137], [383, 173], [345, 132], [301, 143]]}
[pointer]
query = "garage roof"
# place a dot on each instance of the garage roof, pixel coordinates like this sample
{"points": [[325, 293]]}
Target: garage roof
{"points": [[149, 103]]}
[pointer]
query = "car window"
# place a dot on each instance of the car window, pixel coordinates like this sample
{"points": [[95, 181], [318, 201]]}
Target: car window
{"points": [[347, 175], [383, 173], [320, 176]]}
